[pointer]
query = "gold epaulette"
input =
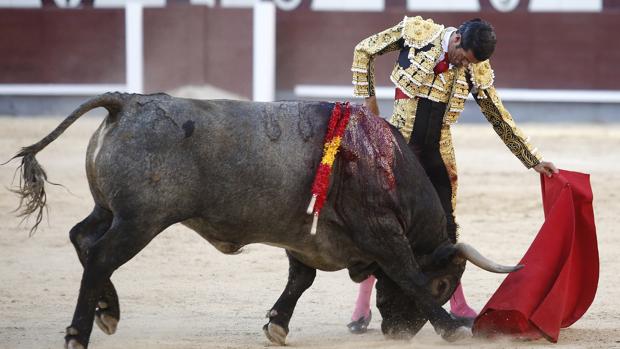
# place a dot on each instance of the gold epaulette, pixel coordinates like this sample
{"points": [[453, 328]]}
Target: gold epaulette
{"points": [[419, 32], [482, 75]]}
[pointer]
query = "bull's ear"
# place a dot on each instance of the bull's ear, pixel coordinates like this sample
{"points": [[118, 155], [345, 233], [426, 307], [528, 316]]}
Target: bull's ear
{"points": [[445, 254]]}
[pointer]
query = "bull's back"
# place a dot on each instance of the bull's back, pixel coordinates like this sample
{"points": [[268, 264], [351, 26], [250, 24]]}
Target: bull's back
{"points": [[257, 164], [241, 166]]}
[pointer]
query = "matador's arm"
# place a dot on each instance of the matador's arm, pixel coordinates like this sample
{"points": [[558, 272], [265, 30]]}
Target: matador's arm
{"points": [[493, 109], [364, 55]]}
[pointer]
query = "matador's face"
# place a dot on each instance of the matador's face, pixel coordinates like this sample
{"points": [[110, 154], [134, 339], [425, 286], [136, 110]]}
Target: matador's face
{"points": [[458, 56]]}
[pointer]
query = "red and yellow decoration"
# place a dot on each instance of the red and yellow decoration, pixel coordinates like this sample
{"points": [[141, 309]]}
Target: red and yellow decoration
{"points": [[335, 130]]}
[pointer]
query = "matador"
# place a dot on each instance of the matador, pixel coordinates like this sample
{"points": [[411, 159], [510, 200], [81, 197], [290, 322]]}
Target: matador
{"points": [[437, 68]]}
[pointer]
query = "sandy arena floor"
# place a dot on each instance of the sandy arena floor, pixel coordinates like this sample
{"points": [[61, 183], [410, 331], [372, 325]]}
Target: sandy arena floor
{"points": [[181, 293]]}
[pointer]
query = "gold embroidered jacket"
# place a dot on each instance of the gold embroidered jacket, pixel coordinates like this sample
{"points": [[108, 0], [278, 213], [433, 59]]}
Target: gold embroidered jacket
{"points": [[419, 42]]}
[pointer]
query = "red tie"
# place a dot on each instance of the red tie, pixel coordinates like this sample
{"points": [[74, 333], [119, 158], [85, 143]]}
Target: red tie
{"points": [[442, 66]]}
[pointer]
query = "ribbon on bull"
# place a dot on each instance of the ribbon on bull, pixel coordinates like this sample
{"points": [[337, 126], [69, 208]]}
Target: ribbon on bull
{"points": [[335, 130], [560, 277]]}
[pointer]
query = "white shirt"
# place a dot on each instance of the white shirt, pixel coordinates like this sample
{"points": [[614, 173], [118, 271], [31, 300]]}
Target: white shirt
{"points": [[444, 44]]}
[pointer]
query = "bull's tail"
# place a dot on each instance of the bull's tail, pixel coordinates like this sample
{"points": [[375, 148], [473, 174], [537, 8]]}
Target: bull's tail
{"points": [[32, 176]]}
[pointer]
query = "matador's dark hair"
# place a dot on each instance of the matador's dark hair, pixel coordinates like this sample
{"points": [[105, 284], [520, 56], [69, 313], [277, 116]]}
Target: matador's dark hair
{"points": [[478, 36]]}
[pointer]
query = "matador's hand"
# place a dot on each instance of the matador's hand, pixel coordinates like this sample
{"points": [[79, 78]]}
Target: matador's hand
{"points": [[546, 167]]}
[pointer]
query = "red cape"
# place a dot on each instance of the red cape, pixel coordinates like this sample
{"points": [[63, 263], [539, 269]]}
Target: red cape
{"points": [[560, 277]]}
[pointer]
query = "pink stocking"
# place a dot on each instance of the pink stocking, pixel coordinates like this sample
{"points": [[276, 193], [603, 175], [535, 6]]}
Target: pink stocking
{"points": [[458, 304], [362, 305]]}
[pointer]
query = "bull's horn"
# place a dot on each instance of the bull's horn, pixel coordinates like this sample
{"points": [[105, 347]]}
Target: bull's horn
{"points": [[471, 254]]}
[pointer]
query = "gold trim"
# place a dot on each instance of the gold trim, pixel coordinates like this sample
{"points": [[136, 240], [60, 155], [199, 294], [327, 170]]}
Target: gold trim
{"points": [[482, 75], [364, 55], [450, 117], [504, 125], [446, 149], [419, 32], [403, 117]]}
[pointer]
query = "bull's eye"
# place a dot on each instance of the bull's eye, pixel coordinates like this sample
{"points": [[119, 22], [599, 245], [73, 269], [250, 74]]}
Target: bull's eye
{"points": [[442, 287], [439, 286]]}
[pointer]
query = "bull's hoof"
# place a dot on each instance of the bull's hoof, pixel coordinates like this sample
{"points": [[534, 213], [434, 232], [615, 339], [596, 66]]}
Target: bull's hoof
{"points": [[106, 323], [275, 333], [398, 328], [71, 341], [104, 318], [73, 344], [398, 336], [457, 334]]}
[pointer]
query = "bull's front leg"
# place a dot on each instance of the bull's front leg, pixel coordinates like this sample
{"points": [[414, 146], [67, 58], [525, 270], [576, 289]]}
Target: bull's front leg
{"points": [[300, 278], [398, 264], [401, 317], [383, 239]]}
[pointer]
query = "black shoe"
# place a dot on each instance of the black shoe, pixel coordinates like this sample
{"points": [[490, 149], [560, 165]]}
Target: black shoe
{"points": [[360, 325]]}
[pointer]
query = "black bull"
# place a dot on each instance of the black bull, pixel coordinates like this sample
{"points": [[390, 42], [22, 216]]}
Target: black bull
{"points": [[239, 173]]}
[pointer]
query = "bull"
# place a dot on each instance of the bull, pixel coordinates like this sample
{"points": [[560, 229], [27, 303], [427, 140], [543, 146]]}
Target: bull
{"points": [[239, 173]]}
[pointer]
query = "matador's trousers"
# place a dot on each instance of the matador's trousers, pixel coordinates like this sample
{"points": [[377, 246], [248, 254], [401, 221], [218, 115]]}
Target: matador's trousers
{"points": [[420, 120]]}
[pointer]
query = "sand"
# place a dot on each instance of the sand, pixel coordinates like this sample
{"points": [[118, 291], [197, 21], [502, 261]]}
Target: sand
{"points": [[181, 293]]}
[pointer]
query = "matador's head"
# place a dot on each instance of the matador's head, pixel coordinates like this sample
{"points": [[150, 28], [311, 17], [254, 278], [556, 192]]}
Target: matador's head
{"points": [[473, 42]]}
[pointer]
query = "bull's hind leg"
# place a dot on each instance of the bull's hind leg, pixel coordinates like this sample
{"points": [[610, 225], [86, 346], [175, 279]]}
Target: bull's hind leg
{"points": [[121, 242], [83, 236], [300, 278]]}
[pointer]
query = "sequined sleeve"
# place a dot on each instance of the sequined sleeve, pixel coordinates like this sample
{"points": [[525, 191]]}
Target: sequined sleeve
{"points": [[364, 55], [493, 109]]}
